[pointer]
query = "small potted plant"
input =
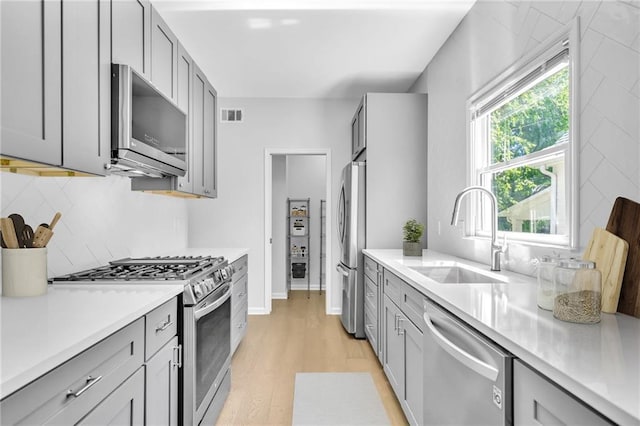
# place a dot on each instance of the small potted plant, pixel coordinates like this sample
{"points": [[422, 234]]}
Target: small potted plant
{"points": [[412, 231]]}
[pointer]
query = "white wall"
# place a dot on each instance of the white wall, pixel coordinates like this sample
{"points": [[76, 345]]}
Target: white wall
{"points": [[306, 179], [279, 227], [102, 219], [236, 218], [490, 38]]}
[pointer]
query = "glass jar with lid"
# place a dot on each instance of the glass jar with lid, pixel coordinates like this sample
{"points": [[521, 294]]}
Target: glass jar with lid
{"points": [[546, 265], [577, 291]]}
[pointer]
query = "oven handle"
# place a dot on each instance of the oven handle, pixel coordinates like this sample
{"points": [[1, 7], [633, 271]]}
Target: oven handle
{"points": [[213, 306]]}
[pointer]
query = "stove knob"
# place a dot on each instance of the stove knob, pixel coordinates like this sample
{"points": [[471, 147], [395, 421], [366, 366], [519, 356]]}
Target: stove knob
{"points": [[197, 290], [224, 273], [217, 275]]}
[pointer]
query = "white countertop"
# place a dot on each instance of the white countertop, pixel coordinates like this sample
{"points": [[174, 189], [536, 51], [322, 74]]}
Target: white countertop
{"points": [[39, 333], [600, 363]]}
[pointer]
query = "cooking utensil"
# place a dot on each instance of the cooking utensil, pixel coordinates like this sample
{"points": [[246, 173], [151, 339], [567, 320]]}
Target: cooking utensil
{"points": [[18, 226], [27, 236], [624, 222], [9, 233], [43, 234], [609, 253]]}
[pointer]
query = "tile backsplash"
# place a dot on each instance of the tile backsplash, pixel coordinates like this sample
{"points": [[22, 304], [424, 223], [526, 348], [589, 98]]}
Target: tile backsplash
{"points": [[102, 219]]}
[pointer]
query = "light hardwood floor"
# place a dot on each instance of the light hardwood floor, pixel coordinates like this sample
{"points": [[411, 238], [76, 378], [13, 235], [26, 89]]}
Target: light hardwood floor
{"points": [[296, 337]]}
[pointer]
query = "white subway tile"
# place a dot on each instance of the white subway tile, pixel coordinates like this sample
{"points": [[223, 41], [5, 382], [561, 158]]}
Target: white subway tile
{"points": [[618, 21], [545, 27], [611, 183], [618, 147], [617, 62], [589, 121], [589, 83], [590, 197], [568, 10], [590, 159], [589, 46], [586, 11], [618, 105], [550, 9]]}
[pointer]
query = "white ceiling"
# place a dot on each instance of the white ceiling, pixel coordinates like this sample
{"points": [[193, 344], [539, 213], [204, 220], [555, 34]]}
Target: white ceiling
{"points": [[312, 48]]}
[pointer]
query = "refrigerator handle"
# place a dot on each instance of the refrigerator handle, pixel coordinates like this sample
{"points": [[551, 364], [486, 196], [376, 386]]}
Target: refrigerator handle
{"points": [[342, 271], [480, 367]]}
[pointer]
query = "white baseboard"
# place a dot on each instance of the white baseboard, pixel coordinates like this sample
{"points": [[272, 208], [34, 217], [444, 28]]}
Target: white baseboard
{"points": [[279, 295], [257, 311], [335, 311], [303, 286]]}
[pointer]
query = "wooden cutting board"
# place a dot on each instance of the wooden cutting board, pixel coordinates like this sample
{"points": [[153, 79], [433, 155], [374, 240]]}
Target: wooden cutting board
{"points": [[624, 222], [609, 252]]}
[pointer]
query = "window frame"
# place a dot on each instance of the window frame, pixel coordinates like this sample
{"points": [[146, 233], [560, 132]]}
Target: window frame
{"points": [[567, 38]]}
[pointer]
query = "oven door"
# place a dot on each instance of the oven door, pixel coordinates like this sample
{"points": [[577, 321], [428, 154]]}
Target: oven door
{"points": [[208, 328]]}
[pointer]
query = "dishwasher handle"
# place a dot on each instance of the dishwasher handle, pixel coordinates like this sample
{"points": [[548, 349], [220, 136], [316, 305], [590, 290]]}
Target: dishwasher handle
{"points": [[482, 368]]}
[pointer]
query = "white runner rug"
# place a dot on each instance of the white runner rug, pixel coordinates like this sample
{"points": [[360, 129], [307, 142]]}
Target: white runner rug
{"points": [[337, 399]]}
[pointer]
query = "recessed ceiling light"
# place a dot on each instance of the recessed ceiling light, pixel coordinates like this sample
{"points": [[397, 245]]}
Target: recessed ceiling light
{"points": [[259, 23]]}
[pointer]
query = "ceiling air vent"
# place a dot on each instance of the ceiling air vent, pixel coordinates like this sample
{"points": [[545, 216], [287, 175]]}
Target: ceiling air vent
{"points": [[228, 115]]}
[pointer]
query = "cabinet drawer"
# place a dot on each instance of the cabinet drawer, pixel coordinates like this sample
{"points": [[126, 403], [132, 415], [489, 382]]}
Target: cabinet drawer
{"points": [[240, 267], [238, 327], [370, 294], [67, 393], [239, 295], [393, 287], [413, 305], [161, 326], [407, 298], [371, 328], [371, 269]]}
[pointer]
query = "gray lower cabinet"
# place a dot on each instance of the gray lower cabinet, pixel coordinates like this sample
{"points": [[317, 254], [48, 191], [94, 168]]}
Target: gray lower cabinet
{"points": [[403, 347], [239, 301], [111, 382], [161, 386], [373, 305], [68, 393], [125, 406], [538, 401]]}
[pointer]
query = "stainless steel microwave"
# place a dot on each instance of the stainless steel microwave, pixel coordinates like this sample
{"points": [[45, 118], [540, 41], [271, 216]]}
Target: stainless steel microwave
{"points": [[148, 130]]}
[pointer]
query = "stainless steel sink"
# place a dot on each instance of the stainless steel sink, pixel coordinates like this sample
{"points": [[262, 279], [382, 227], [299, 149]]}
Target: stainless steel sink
{"points": [[458, 274]]}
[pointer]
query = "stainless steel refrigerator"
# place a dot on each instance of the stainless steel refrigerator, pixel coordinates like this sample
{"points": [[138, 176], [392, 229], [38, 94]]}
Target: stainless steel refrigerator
{"points": [[351, 234]]}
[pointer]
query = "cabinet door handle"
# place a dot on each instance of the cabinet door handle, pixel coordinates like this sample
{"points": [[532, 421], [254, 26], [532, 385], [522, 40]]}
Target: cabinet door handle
{"points": [[166, 324], [370, 294], [90, 382], [400, 329], [178, 349], [396, 323]]}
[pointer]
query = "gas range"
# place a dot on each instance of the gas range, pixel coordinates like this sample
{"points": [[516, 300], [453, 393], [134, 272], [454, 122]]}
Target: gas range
{"points": [[201, 275]]}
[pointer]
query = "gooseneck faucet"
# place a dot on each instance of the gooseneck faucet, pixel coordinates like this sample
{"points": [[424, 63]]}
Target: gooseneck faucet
{"points": [[496, 249]]}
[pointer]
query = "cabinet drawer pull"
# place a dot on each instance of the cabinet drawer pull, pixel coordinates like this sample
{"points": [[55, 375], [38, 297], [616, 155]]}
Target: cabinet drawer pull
{"points": [[241, 294], [370, 294], [178, 349], [162, 327], [90, 382], [400, 329]]}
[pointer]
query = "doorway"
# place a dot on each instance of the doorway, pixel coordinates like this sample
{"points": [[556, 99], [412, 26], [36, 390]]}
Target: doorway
{"points": [[284, 173]]}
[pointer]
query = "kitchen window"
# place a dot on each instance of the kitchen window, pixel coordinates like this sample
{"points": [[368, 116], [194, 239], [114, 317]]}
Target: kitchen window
{"points": [[522, 133]]}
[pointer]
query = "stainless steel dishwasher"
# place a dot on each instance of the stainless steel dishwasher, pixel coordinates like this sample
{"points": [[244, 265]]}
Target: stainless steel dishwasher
{"points": [[467, 379]]}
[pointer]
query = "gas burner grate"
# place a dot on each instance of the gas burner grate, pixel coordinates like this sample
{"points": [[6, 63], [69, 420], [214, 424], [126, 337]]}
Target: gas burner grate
{"points": [[146, 269]]}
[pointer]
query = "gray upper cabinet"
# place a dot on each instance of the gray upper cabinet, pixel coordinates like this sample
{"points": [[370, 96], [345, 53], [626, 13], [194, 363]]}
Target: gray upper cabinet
{"points": [[204, 135], [56, 85], [131, 34], [30, 79], [184, 71], [86, 85], [164, 56]]}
